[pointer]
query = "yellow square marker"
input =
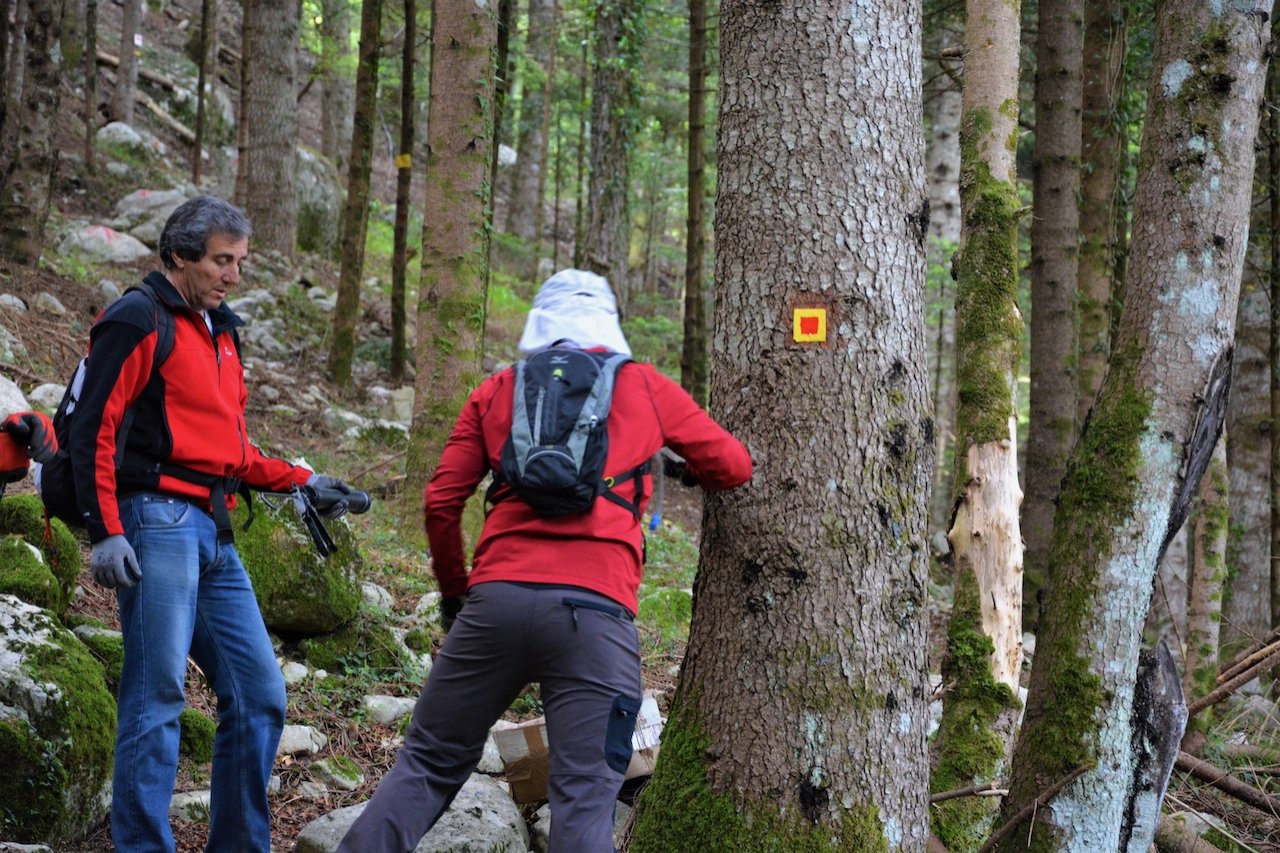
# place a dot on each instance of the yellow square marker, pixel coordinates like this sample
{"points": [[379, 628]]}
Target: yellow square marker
{"points": [[404, 161], [809, 325]]}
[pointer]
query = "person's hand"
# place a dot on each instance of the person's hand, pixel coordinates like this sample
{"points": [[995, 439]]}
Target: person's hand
{"points": [[33, 431], [674, 466], [114, 563], [330, 495], [449, 610]]}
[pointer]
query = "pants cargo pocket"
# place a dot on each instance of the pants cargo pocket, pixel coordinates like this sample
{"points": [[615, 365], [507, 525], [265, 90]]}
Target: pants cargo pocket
{"points": [[622, 725]]}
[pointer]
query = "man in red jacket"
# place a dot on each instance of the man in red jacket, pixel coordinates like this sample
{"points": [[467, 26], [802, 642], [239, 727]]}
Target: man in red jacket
{"points": [[158, 450], [548, 599]]}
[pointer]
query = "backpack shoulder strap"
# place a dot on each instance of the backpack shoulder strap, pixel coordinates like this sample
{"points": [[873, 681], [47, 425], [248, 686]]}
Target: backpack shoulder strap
{"points": [[166, 327]]}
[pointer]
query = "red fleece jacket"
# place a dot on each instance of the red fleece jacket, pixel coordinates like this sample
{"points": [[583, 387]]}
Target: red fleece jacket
{"points": [[600, 550]]}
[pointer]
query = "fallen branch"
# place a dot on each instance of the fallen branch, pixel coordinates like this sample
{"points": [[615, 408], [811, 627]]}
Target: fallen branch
{"points": [[982, 789], [160, 80], [1042, 799], [1228, 687], [187, 134], [381, 463], [1228, 784], [1248, 659]]}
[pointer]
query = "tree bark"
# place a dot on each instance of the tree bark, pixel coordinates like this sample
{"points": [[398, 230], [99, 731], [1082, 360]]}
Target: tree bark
{"points": [[90, 60], [544, 153], [355, 216], [800, 718], [1208, 575], [336, 109], [13, 77], [404, 182], [527, 180], [1154, 425], [1055, 234], [26, 180], [122, 99], [984, 642], [1273, 181], [580, 172], [451, 293], [693, 354], [268, 161], [1158, 721], [204, 80]]}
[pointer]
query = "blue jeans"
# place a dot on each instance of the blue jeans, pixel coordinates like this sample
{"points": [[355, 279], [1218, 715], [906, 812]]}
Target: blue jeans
{"points": [[194, 598]]}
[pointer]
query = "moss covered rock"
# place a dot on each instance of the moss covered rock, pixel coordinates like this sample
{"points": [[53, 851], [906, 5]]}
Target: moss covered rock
{"points": [[24, 574], [108, 647], [23, 516], [196, 741], [362, 644], [299, 591], [57, 729]]}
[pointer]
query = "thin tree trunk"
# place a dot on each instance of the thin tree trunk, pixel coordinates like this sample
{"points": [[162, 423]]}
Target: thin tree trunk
{"points": [[1273, 181], [208, 55], [501, 86], [984, 640], [127, 74], [336, 110], [548, 96], [1152, 431], [522, 207], [1055, 234], [90, 61], [355, 217], [404, 182], [693, 357], [580, 185], [242, 115], [13, 77], [1208, 574]]}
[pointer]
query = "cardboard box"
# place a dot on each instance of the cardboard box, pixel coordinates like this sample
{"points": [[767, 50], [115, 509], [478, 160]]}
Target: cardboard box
{"points": [[524, 750]]}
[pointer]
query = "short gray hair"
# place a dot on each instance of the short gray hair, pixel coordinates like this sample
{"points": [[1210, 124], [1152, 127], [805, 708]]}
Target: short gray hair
{"points": [[186, 233]]}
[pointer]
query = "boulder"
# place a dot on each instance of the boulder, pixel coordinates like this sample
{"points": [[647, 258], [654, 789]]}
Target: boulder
{"points": [[482, 817], [57, 729], [11, 346], [320, 200], [100, 243], [24, 575], [23, 516], [298, 590], [11, 397], [47, 396], [142, 205]]}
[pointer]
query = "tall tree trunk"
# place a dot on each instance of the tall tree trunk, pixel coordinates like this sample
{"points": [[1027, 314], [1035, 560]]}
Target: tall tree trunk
{"points": [[943, 105], [90, 60], [13, 76], [336, 112], [1208, 574], [127, 74], [451, 293], [799, 722], [613, 105], [1055, 234], [1156, 420], [1273, 181], [242, 113], [1101, 140], [205, 79], [984, 642], [355, 217], [26, 180], [501, 86], [1247, 608], [527, 179], [544, 153], [271, 123], [693, 355], [404, 182], [579, 187]]}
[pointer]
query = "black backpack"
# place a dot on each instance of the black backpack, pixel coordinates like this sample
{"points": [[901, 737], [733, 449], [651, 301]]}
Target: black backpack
{"points": [[55, 480], [554, 457]]}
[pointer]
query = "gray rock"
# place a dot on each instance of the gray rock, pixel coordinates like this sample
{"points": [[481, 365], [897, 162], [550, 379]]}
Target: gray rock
{"points": [[375, 597], [540, 836], [482, 817], [342, 774], [191, 805], [294, 672], [319, 189], [147, 205], [119, 133], [309, 789], [340, 420], [383, 709], [11, 346], [491, 760], [10, 847], [50, 304], [9, 302], [109, 289], [119, 170], [11, 398], [148, 232], [301, 740], [47, 396], [100, 243]]}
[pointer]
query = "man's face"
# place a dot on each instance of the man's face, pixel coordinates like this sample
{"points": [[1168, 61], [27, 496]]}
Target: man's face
{"points": [[206, 282]]}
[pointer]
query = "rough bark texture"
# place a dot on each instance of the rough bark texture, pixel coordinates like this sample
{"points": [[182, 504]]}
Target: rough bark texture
{"points": [[984, 641], [127, 74], [404, 182], [336, 111], [942, 163], [1155, 423], [1101, 140], [355, 216], [1247, 609], [13, 77], [1273, 181], [206, 76], [1208, 574], [613, 103], [693, 357], [451, 292], [271, 123], [1158, 721], [800, 718], [90, 61], [26, 180], [527, 180], [1055, 234], [544, 153]]}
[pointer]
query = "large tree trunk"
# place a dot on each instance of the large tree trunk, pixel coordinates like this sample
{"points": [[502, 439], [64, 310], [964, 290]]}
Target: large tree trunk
{"points": [[404, 181], [336, 111], [613, 106], [984, 642], [451, 293], [270, 121], [1055, 233], [127, 74], [1153, 427], [26, 180], [693, 354], [799, 722], [527, 180], [355, 217], [1101, 141]]}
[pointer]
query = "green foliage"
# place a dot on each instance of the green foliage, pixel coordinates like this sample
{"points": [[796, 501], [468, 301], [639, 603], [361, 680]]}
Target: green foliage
{"points": [[196, 740], [364, 644]]}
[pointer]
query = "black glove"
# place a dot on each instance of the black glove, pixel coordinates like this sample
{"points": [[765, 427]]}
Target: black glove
{"points": [[330, 495], [33, 431], [449, 610], [674, 466]]}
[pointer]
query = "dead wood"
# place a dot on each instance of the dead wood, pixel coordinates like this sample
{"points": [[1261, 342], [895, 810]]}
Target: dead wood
{"points": [[1232, 685], [1228, 784], [160, 80], [1234, 663], [1243, 662], [982, 789]]}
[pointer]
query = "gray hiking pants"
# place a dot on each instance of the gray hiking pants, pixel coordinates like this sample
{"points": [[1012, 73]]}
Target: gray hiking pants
{"points": [[582, 649]]}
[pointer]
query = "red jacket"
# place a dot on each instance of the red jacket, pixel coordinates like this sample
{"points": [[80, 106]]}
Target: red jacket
{"points": [[600, 550], [190, 414]]}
